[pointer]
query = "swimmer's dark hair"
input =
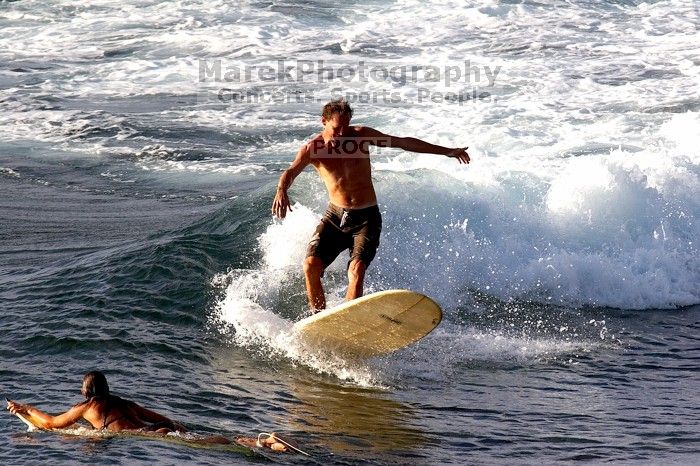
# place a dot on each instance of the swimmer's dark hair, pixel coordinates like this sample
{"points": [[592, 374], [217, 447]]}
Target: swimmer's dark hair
{"points": [[94, 384], [339, 106]]}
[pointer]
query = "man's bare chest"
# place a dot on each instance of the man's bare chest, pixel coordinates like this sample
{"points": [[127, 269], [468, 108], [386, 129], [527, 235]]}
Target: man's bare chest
{"points": [[344, 168]]}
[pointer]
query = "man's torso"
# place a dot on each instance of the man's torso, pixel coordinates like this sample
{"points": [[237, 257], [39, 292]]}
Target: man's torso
{"points": [[345, 169]]}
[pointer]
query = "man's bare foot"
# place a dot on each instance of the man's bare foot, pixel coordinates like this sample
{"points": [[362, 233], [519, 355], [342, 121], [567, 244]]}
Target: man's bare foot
{"points": [[271, 442]]}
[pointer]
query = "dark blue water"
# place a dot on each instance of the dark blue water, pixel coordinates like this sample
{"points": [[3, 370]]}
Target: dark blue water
{"points": [[136, 236]]}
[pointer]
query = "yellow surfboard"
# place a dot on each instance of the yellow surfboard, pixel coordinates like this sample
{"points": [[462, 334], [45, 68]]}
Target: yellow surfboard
{"points": [[372, 325]]}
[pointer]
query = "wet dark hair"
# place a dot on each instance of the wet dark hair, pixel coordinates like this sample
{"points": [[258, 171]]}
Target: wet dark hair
{"points": [[339, 106], [94, 384]]}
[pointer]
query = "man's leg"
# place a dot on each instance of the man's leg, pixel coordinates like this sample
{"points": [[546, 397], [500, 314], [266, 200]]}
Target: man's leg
{"points": [[313, 269], [325, 245], [356, 278], [365, 242]]}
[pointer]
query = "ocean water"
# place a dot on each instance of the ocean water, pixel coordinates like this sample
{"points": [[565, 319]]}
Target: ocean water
{"points": [[136, 236]]}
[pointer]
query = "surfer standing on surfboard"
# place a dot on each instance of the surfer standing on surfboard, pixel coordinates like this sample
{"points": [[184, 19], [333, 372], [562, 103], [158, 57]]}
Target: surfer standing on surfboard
{"points": [[352, 221]]}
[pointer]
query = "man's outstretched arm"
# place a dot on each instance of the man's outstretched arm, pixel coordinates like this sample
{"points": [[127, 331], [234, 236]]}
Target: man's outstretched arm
{"points": [[281, 202], [380, 139], [46, 421]]}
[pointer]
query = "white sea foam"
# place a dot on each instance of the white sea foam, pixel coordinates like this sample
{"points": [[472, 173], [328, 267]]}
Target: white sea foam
{"points": [[9, 172], [603, 232], [453, 347]]}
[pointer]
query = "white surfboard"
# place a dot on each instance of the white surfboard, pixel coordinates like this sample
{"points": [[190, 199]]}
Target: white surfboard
{"points": [[30, 427], [372, 325]]}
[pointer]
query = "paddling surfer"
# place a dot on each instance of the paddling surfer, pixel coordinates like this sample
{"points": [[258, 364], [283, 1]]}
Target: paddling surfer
{"points": [[352, 221], [101, 409], [105, 411]]}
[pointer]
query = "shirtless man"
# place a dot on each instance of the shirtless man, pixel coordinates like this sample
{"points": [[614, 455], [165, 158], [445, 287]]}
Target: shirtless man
{"points": [[340, 155], [101, 409], [105, 411]]}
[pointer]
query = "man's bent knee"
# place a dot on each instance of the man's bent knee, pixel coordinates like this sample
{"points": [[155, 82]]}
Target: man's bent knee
{"points": [[356, 268], [313, 266]]}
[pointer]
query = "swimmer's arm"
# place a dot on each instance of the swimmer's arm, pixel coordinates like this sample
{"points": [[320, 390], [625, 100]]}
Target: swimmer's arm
{"points": [[281, 202], [379, 139], [43, 420], [148, 416]]}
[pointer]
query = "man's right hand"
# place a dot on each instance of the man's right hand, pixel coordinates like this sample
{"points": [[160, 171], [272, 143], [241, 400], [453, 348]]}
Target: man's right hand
{"points": [[281, 203], [16, 408]]}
